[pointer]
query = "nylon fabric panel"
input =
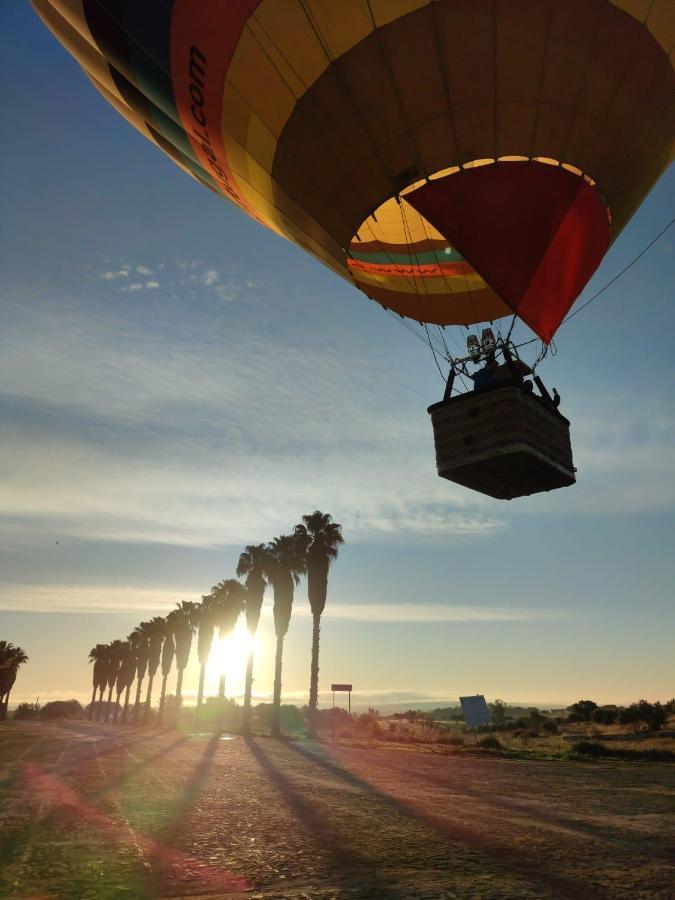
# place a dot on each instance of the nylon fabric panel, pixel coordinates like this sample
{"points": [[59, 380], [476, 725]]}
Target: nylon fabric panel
{"points": [[203, 42], [657, 15], [574, 254], [483, 305], [518, 225], [81, 49], [129, 35]]}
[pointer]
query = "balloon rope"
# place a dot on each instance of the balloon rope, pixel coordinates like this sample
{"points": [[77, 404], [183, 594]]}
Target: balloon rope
{"points": [[616, 277]]}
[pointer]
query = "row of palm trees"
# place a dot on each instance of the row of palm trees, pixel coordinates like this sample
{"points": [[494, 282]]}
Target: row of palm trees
{"points": [[11, 658], [162, 641]]}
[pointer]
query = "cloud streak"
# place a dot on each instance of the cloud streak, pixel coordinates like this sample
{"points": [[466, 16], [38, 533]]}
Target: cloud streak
{"points": [[140, 598]]}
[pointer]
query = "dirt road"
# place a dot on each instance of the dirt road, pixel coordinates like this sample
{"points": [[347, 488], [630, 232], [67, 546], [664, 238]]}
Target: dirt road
{"points": [[88, 811]]}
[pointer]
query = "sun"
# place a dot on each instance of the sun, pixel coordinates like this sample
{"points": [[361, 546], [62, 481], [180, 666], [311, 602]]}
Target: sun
{"points": [[228, 657]]}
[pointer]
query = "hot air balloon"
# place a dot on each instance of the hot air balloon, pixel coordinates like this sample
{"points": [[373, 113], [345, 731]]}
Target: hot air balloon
{"points": [[458, 161]]}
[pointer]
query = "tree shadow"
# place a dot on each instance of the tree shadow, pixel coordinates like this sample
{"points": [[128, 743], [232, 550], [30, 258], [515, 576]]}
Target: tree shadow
{"points": [[523, 810], [531, 870], [350, 868], [132, 770]]}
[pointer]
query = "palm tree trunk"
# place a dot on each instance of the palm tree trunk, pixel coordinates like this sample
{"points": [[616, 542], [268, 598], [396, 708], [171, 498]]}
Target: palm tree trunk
{"points": [[162, 698], [116, 711], [137, 701], [248, 689], [314, 675], [126, 703], [93, 703], [221, 690], [200, 692], [99, 708], [107, 708], [148, 698], [179, 695], [3, 707], [276, 702]]}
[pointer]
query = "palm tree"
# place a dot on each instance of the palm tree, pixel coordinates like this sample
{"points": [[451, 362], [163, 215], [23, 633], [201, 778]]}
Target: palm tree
{"points": [[252, 564], [323, 545], [168, 652], [125, 675], [97, 655], [140, 639], [115, 656], [11, 658], [183, 621], [228, 602], [156, 631], [285, 564], [204, 641]]}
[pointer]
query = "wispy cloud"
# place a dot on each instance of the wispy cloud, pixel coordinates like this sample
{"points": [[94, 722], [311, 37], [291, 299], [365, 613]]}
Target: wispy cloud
{"points": [[113, 275], [430, 612], [140, 598], [78, 598], [208, 439]]}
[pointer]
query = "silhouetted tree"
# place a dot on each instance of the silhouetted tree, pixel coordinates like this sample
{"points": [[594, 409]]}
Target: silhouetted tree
{"points": [[140, 641], [252, 564], [322, 538], [284, 566], [498, 713], [97, 656], [116, 650], [156, 632], [125, 675], [11, 658], [168, 653], [183, 621], [583, 708]]}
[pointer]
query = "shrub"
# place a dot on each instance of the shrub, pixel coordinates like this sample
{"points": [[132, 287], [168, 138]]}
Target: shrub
{"points": [[605, 715], [583, 708], [62, 709], [26, 711], [588, 748], [490, 743], [550, 726]]}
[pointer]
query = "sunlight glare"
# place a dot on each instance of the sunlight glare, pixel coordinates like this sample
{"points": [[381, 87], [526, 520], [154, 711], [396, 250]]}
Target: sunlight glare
{"points": [[229, 657]]}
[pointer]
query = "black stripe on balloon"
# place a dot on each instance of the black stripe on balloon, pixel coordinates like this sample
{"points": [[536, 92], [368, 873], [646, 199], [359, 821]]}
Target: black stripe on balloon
{"points": [[176, 154], [135, 37]]}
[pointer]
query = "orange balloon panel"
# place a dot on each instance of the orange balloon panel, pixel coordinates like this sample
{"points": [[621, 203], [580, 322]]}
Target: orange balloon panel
{"points": [[315, 117]]}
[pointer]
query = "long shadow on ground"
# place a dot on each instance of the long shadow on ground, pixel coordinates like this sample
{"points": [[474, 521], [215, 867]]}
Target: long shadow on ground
{"points": [[350, 868], [527, 869], [595, 832]]}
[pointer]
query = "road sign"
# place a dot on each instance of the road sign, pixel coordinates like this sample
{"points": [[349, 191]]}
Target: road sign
{"points": [[343, 687], [475, 710]]}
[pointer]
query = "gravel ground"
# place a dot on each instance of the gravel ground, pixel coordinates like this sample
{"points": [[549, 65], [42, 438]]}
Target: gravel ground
{"points": [[89, 811]]}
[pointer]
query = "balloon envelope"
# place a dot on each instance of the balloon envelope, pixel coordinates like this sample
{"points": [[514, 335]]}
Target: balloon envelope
{"points": [[349, 127]]}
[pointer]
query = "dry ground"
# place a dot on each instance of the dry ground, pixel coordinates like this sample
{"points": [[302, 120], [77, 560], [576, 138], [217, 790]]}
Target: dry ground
{"points": [[90, 811]]}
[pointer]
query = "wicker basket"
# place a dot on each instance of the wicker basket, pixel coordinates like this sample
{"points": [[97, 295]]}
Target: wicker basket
{"points": [[502, 442]]}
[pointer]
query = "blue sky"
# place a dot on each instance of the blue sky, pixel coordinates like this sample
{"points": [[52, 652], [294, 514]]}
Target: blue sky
{"points": [[176, 382]]}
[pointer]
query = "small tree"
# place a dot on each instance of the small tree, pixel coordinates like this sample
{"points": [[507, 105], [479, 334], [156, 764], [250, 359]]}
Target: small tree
{"points": [[652, 714], [583, 708], [498, 713]]}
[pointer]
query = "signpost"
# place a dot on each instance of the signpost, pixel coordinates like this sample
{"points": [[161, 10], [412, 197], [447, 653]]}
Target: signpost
{"points": [[475, 710], [343, 687]]}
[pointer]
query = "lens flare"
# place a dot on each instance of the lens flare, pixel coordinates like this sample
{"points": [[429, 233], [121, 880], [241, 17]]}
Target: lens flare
{"points": [[228, 657]]}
